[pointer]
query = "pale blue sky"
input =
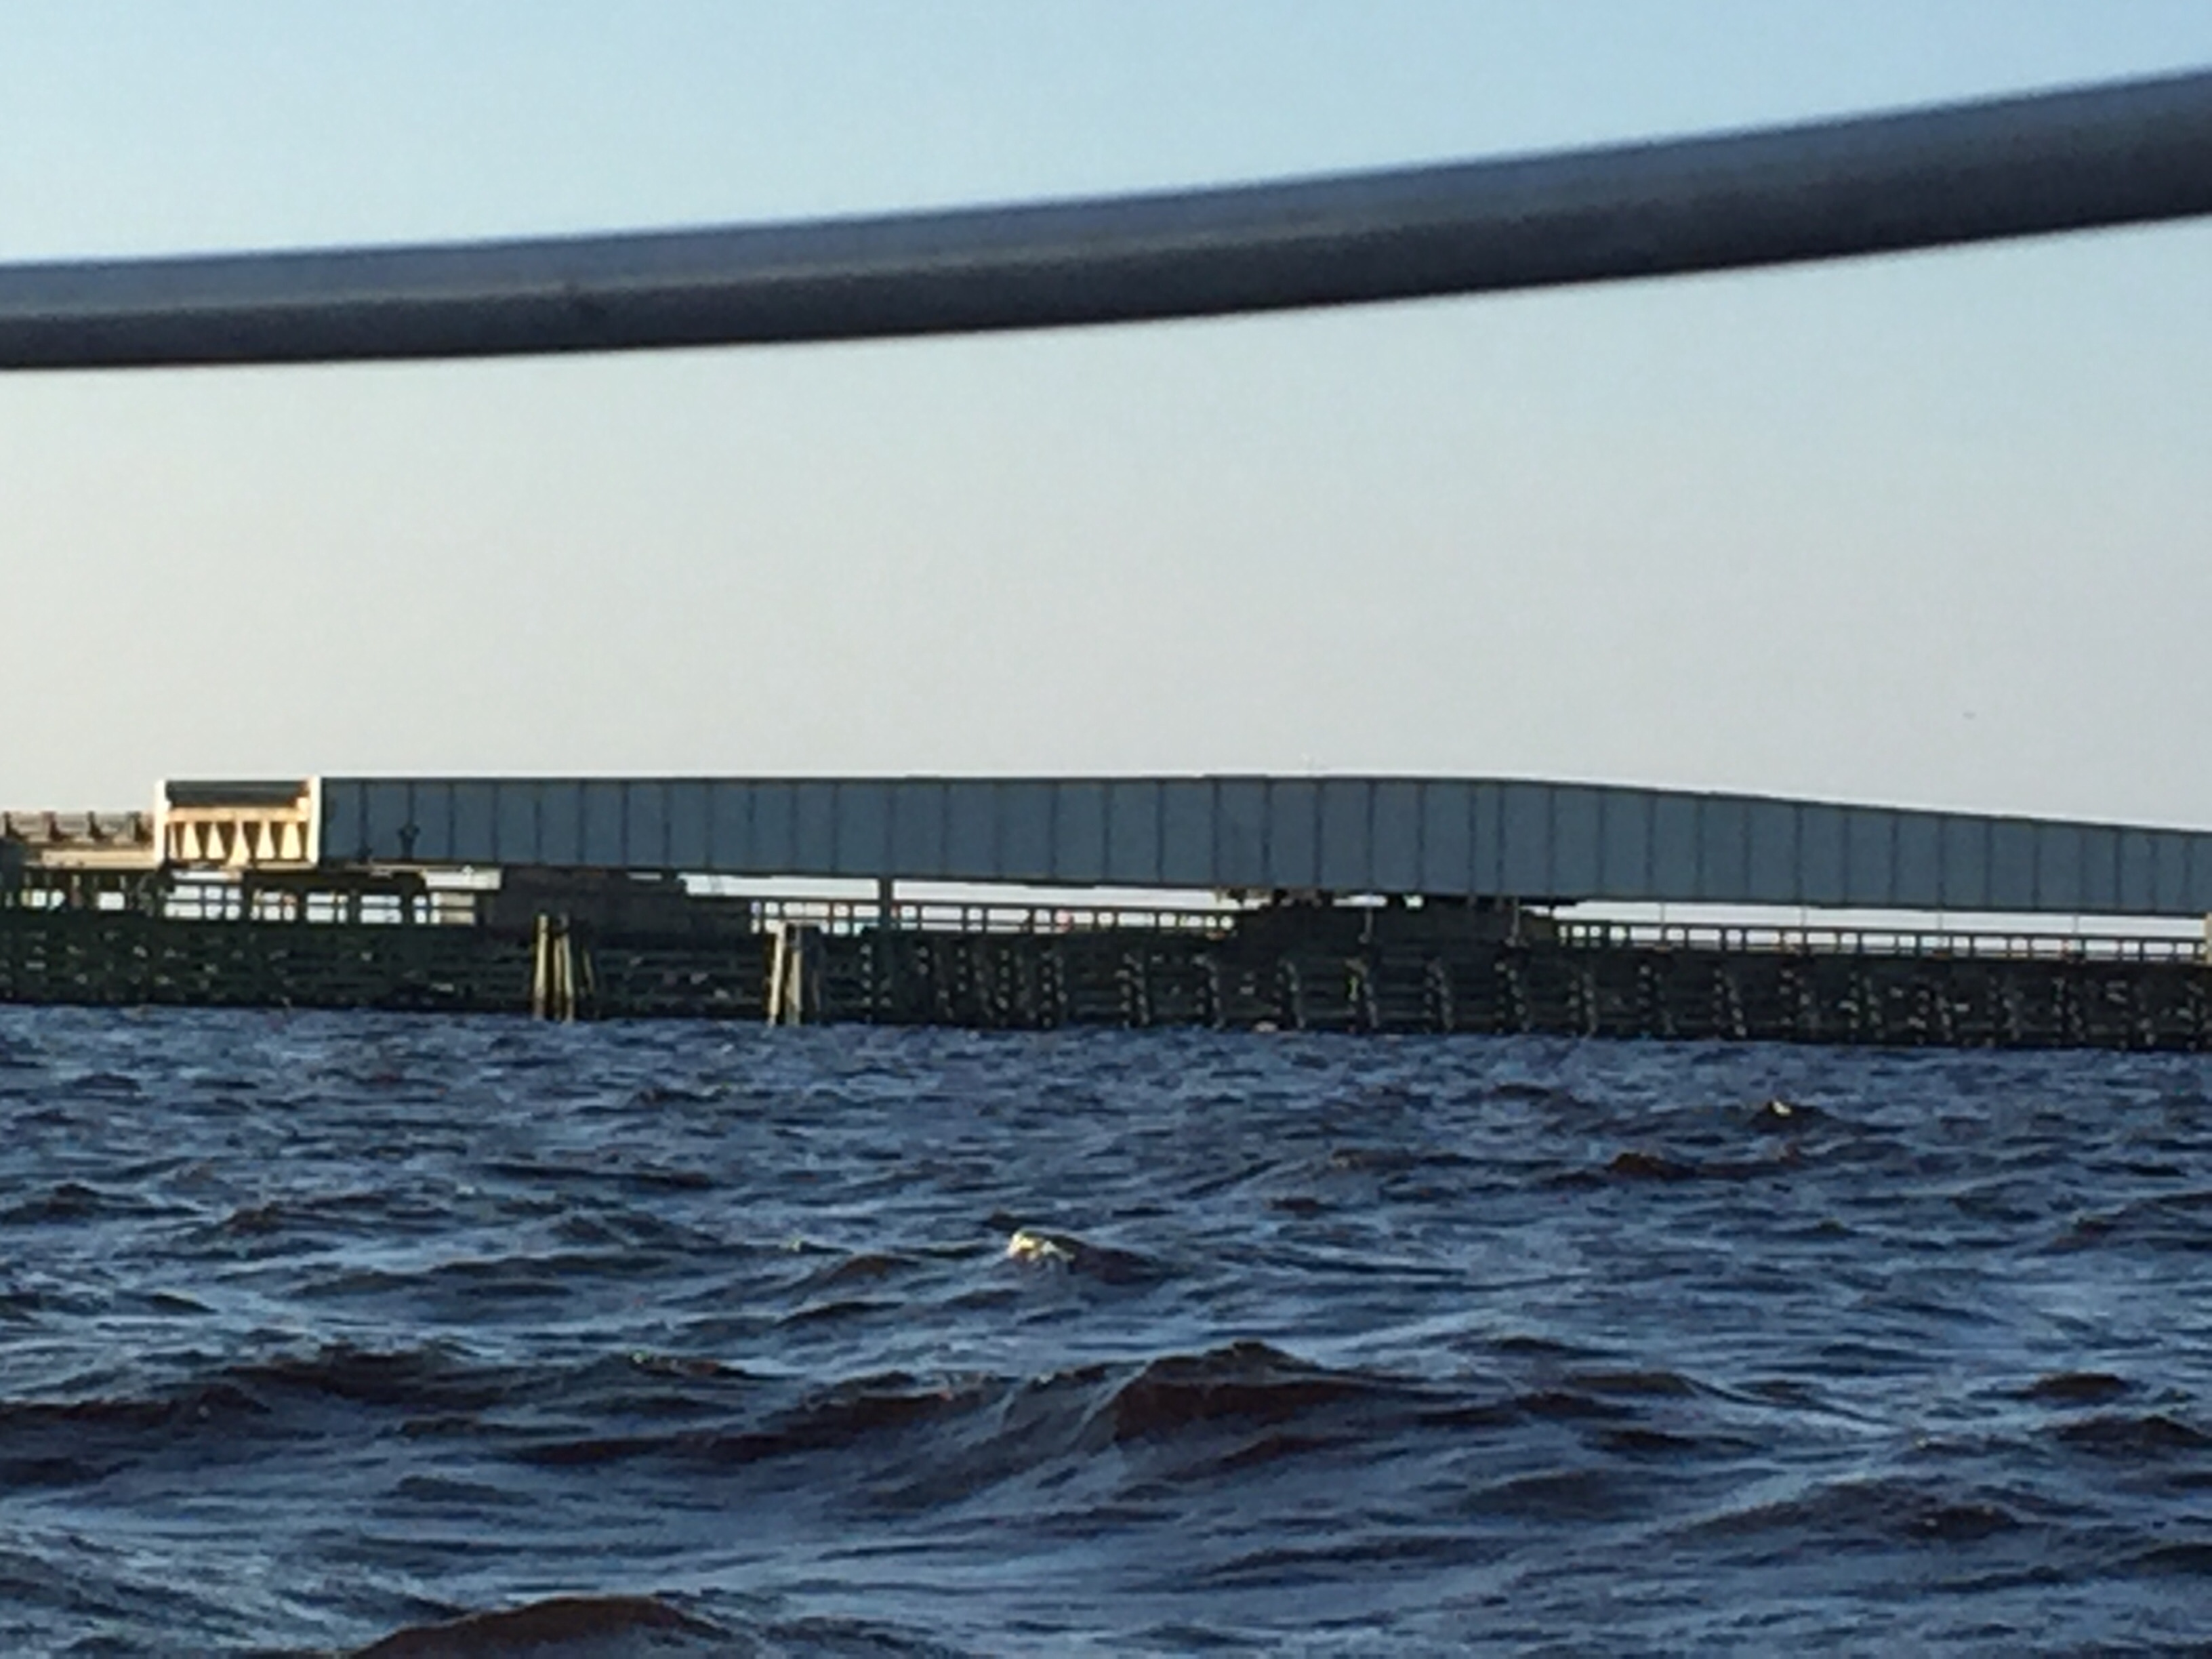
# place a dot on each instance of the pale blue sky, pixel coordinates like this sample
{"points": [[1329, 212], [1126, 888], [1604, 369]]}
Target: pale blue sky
{"points": [[1929, 528]]}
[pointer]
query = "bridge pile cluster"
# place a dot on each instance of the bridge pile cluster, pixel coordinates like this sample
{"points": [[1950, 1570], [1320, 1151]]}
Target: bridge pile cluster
{"points": [[1366, 969]]}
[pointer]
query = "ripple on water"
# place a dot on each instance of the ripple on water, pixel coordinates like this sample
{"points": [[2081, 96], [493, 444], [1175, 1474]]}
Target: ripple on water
{"points": [[440, 1336]]}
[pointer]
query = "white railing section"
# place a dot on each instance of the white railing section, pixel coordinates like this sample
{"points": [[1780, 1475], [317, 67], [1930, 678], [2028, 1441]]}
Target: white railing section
{"points": [[1802, 940], [845, 916]]}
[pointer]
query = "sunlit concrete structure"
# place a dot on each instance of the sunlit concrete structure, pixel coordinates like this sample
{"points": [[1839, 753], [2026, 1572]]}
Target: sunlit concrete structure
{"points": [[239, 825]]}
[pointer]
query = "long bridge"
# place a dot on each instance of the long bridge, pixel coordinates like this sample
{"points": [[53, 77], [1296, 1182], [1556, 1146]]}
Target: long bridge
{"points": [[1527, 842], [1348, 903], [1325, 873]]}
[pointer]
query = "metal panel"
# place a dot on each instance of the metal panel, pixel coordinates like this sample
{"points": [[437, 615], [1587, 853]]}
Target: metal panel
{"points": [[1079, 832], [428, 834], [1395, 855], [1487, 826], [1347, 862], [1575, 827], [515, 838], [1133, 832], [1724, 848], [814, 826], [1524, 840], [684, 801], [645, 824], [341, 829], [345, 819], [1187, 833], [561, 820], [1917, 881], [2058, 866], [1870, 857], [772, 829], [861, 828], [1240, 836], [2100, 870], [605, 803], [1773, 857], [919, 814], [730, 827], [1624, 843], [474, 823], [1026, 831], [2012, 865], [1447, 838], [2136, 886], [971, 832], [386, 811], [1820, 855], [1294, 834], [1676, 858], [2169, 872], [1965, 862]]}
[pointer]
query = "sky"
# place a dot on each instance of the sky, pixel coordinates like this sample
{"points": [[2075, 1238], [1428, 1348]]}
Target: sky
{"points": [[1925, 529]]}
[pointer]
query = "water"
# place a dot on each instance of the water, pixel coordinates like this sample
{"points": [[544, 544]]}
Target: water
{"points": [[320, 1332]]}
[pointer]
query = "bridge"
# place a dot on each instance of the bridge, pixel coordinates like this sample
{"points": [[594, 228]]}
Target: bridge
{"points": [[2128, 152], [1432, 838], [1490, 842]]}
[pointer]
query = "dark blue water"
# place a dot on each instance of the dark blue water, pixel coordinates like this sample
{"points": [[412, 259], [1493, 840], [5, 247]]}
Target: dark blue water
{"points": [[318, 1333]]}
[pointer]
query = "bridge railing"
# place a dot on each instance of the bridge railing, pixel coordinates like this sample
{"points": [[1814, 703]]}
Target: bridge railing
{"points": [[960, 916], [1994, 944], [217, 901]]}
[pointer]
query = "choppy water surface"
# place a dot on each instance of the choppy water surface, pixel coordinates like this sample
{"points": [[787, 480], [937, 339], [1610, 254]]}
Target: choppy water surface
{"points": [[321, 1333]]}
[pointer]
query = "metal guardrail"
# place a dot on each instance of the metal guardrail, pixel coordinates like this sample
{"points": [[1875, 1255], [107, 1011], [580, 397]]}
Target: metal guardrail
{"points": [[2122, 154], [862, 915], [1974, 944], [220, 901], [153, 893]]}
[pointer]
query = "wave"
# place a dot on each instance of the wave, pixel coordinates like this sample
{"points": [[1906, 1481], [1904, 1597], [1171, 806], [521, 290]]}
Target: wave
{"points": [[1221, 1411], [2151, 1435], [560, 1627], [2077, 1387], [643, 1627], [1844, 1514], [75, 1202], [1246, 1382]]}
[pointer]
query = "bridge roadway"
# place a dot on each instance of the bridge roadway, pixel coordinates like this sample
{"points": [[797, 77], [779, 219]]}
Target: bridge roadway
{"points": [[1440, 838]]}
